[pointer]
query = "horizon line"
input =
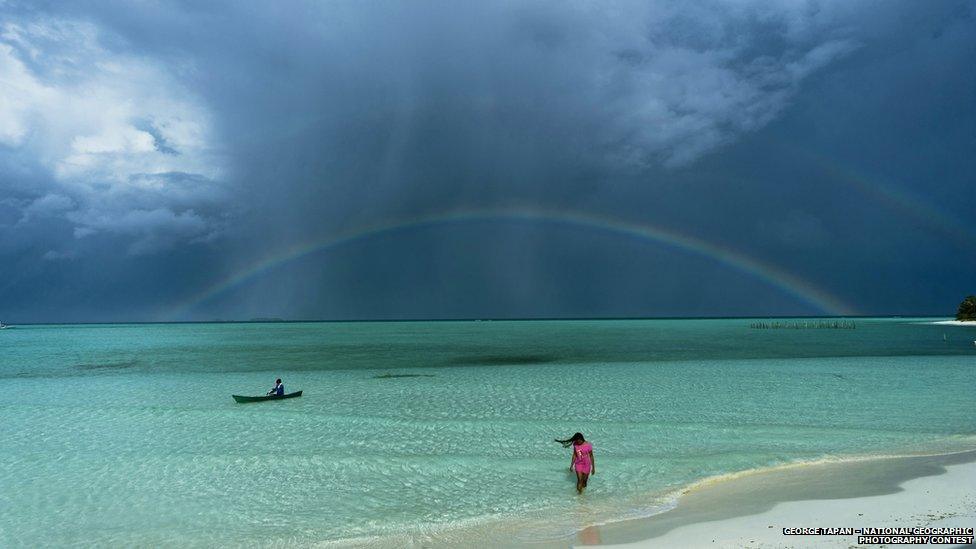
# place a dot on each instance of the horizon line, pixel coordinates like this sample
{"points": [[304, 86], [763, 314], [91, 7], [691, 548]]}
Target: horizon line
{"points": [[274, 320]]}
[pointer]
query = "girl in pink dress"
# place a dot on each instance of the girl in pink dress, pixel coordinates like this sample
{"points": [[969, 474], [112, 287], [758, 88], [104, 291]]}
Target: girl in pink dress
{"points": [[582, 463]]}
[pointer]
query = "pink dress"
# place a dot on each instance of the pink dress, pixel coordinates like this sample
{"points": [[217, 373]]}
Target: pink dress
{"points": [[582, 463]]}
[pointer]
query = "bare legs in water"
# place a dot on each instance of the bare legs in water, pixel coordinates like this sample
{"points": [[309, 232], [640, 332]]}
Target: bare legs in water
{"points": [[581, 479]]}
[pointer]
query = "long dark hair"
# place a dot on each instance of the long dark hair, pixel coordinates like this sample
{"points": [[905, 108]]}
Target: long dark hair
{"points": [[575, 439]]}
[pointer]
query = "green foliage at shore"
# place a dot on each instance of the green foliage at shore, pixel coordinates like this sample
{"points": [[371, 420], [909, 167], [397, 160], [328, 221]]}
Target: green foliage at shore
{"points": [[967, 309]]}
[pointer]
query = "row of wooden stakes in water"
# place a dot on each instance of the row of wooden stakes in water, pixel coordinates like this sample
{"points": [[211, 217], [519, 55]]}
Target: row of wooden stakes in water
{"points": [[805, 325]]}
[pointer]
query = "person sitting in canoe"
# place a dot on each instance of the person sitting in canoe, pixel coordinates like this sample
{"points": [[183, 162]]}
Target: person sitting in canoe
{"points": [[278, 389]]}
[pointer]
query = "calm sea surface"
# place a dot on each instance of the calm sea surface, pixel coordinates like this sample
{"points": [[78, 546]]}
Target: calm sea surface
{"points": [[439, 431]]}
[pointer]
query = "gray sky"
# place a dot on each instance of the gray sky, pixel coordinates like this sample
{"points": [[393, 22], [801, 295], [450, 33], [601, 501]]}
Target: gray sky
{"points": [[191, 160]]}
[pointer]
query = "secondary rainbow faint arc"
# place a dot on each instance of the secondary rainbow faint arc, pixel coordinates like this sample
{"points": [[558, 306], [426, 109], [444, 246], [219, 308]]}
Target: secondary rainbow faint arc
{"points": [[779, 278], [893, 196]]}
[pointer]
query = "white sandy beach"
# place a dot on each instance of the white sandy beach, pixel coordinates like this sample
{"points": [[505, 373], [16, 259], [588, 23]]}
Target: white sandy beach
{"points": [[970, 323], [937, 500]]}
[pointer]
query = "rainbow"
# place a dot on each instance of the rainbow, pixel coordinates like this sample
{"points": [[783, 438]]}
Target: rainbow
{"points": [[790, 284], [894, 197]]}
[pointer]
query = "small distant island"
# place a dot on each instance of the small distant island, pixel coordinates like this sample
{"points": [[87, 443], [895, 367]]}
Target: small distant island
{"points": [[967, 309]]}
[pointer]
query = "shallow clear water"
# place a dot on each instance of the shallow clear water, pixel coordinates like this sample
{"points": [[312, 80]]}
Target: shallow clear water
{"points": [[126, 434]]}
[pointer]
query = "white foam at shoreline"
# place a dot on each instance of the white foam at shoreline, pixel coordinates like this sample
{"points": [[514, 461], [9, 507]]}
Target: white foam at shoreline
{"points": [[708, 481]]}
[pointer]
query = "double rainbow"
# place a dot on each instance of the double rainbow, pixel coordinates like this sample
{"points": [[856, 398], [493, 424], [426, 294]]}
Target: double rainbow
{"points": [[788, 283]]}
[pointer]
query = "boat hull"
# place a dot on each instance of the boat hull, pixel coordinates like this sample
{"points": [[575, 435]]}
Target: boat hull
{"points": [[242, 399]]}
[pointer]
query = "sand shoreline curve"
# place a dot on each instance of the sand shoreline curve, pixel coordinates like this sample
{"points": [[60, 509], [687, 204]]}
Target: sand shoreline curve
{"points": [[751, 510]]}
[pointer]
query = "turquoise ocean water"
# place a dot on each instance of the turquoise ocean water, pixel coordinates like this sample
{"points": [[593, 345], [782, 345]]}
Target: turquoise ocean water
{"points": [[439, 431]]}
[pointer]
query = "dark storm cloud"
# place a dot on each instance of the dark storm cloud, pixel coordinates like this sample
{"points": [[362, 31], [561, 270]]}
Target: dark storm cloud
{"points": [[171, 132]]}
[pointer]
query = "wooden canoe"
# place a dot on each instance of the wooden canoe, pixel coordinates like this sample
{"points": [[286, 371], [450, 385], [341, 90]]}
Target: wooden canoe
{"points": [[240, 398]]}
